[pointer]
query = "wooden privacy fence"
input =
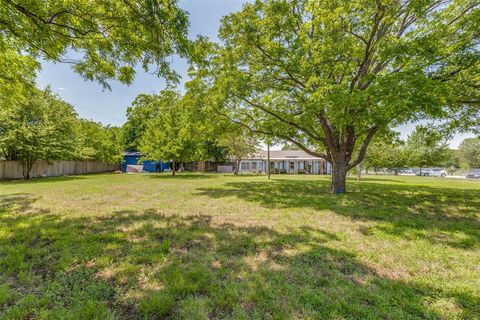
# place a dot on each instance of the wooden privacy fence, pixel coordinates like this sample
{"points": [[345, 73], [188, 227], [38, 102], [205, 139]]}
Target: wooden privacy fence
{"points": [[13, 169]]}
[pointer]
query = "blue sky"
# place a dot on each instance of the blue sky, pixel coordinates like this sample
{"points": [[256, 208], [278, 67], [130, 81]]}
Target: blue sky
{"points": [[91, 101]]}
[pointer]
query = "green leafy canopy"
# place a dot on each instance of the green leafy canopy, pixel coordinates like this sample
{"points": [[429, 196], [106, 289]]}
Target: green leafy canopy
{"points": [[173, 132], [43, 127], [102, 39], [425, 146], [470, 152]]}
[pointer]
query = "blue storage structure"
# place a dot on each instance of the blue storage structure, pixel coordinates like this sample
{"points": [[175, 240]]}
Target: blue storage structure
{"points": [[133, 158]]}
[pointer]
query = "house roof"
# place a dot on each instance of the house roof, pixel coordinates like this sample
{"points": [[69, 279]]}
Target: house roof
{"points": [[283, 155]]}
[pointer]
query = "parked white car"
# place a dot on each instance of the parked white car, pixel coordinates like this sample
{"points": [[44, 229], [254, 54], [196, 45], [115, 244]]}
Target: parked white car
{"points": [[473, 174], [435, 173]]}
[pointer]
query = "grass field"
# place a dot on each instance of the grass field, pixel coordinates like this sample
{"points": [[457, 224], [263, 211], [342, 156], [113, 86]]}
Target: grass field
{"points": [[210, 246]]}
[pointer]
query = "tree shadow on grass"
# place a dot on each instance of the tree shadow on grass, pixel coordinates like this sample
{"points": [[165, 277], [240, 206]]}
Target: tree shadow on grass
{"points": [[380, 179], [136, 265], [180, 176], [431, 213], [19, 202], [41, 180]]}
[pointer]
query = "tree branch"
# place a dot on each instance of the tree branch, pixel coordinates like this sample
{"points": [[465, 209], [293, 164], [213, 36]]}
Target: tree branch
{"points": [[364, 65], [278, 117], [269, 133], [363, 148], [464, 12]]}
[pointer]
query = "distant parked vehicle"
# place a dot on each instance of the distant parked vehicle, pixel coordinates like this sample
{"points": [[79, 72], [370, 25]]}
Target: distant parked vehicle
{"points": [[421, 172], [434, 173], [473, 174], [406, 171]]}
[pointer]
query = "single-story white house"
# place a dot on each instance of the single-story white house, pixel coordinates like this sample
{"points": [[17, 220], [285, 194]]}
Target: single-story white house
{"points": [[285, 161]]}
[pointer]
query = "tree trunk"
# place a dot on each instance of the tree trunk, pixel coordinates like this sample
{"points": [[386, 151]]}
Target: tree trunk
{"points": [[359, 172], [268, 159], [27, 168], [339, 178], [173, 168], [237, 167]]}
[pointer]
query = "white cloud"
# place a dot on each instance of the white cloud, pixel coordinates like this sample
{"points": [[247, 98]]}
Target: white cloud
{"points": [[61, 89]]}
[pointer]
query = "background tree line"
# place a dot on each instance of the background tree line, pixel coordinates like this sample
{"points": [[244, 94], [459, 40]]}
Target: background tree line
{"points": [[41, 126], [424, 147], [172, 127]]}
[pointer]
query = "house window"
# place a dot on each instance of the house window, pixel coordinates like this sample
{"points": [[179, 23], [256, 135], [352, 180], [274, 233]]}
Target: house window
{"points": [[254, 166], [245, 165]]}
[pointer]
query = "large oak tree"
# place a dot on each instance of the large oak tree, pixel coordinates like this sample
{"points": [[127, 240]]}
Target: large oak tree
{"points": [[330, 75]]}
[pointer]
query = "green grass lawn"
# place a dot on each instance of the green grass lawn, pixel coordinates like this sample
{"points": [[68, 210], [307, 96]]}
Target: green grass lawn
{"points": [[222, 247]]}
